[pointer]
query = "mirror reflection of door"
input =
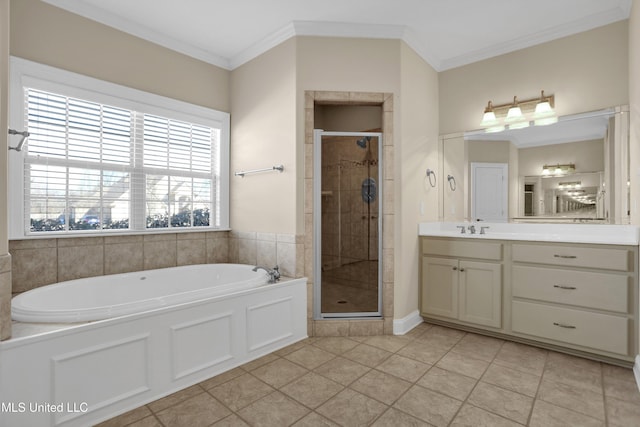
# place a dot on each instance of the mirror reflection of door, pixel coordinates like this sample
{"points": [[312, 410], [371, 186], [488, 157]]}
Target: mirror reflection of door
{"points": [[489, 192], [528, 200]]}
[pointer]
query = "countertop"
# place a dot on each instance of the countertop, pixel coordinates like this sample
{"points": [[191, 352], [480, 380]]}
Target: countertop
{"points": [[568, 233]]}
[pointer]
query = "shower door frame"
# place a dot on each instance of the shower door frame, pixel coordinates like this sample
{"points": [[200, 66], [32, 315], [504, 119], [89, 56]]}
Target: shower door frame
{"points": [[317, 226]]}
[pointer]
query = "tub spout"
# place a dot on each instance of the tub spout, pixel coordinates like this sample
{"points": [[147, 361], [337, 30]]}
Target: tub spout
{"points": [[274, 273]]}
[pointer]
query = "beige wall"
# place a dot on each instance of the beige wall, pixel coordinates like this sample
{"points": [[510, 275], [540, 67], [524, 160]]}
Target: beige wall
{"points": [[586, 71], [634, 103], [588, 156], [263, 134], [52, 36], [416, 150], [340, 65], [5, 258]]}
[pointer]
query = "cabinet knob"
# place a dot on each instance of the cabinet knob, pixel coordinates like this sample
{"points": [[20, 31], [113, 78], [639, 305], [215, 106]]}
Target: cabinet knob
{"points": [[455, 268], [462, 269]]}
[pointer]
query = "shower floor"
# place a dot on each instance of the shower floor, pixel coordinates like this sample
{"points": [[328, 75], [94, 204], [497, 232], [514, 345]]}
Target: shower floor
{"points": [[351, 288]]}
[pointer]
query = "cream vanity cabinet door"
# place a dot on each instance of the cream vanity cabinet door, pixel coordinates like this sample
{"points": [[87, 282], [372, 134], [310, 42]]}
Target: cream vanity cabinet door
{"points": [[469, 291], [480, 293], [440, 287]]}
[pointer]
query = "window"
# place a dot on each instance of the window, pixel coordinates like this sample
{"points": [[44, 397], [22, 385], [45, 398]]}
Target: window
{"points": [[102, 158]]}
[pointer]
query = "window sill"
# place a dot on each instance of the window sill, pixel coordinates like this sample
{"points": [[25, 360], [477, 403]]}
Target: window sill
{"points": [[79, 234]]}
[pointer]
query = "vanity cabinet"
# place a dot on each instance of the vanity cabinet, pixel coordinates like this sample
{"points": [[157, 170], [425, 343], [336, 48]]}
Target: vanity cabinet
{"points": [[575, 297], [574, 294], [462, 281]]}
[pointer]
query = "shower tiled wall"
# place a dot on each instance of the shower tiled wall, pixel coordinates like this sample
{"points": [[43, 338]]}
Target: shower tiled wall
{"points": [[345, 327], [39, 262]]}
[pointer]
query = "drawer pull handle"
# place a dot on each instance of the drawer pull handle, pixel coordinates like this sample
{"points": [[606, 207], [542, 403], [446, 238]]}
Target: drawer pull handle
{"points": [[565, 256], [560, 325], [565, 287]]}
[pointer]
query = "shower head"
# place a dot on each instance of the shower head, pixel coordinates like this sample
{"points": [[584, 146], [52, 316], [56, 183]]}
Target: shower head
{"points": [[362, 142]]}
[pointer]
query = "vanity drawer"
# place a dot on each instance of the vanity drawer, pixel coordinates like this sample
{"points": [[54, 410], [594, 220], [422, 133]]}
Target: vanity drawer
{"points": [[574, 256], [601, 291], [594, 330], [462, 248]]}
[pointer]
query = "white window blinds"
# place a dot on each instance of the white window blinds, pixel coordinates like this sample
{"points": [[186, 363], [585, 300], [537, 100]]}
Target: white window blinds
{"points": [[91, 166]]}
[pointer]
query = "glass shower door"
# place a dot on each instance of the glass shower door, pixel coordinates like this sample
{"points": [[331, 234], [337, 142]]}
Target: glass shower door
{"points": [[348, 224]]}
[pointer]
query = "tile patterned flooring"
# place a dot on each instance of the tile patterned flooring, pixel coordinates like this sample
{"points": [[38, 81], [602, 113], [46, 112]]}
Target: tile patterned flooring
{"points": [[433, 376]]}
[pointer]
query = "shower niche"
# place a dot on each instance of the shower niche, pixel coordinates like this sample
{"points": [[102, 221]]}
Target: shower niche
{"points": [[349, 227]]}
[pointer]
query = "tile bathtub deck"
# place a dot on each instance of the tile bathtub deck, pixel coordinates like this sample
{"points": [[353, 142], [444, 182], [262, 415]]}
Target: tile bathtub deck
{"points": [[433, 376]]}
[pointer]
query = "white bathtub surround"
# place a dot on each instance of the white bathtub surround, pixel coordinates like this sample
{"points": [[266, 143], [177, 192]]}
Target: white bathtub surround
{"points": [[141, 357], [570, 233]]}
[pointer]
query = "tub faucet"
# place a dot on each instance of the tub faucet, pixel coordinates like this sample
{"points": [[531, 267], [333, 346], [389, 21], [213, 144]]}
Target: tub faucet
{"points": [[274, 273]]}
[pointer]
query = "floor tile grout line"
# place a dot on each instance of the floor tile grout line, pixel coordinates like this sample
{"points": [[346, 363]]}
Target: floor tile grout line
{"points": [[535, 397], [415, 383], [604, 396], [466, 400], [390, 406]]}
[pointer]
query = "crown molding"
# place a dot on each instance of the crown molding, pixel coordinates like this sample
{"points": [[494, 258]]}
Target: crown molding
{"points": [[341, 29], [318, 29], [267, 43], [414, 42], [112, 20]]}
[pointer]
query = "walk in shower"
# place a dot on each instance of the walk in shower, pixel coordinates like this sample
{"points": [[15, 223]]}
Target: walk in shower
{"points": [[347, 224]]}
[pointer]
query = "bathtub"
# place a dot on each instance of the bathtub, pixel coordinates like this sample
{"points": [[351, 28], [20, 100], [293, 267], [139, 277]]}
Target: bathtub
{"points": [[104, 297], [109, 344]]}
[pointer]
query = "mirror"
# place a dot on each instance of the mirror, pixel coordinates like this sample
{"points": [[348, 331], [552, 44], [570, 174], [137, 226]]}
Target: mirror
{"points": [[575, 170]]}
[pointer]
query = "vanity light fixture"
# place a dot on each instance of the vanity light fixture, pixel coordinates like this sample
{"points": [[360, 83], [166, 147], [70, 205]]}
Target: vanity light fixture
{"points": [[515, 119], [558, 170], [544, 114], [518, 114], [489, 120], [569, 185]]}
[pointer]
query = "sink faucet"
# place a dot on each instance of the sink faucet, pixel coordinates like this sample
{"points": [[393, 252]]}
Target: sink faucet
{"points": [[482, 229], [472, 229], [461, 227], [274, 273]]}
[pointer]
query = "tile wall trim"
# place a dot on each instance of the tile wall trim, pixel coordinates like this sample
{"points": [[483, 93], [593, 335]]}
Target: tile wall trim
{"points": [[40, 262], [352, 327]]}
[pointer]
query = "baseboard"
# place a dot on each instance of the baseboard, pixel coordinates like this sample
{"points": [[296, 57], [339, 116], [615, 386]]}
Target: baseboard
{"points": [[407, 323], [636, 370]]}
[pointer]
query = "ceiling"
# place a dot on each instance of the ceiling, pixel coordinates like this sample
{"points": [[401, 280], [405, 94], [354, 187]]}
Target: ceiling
{"points": [[445, 33]]}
